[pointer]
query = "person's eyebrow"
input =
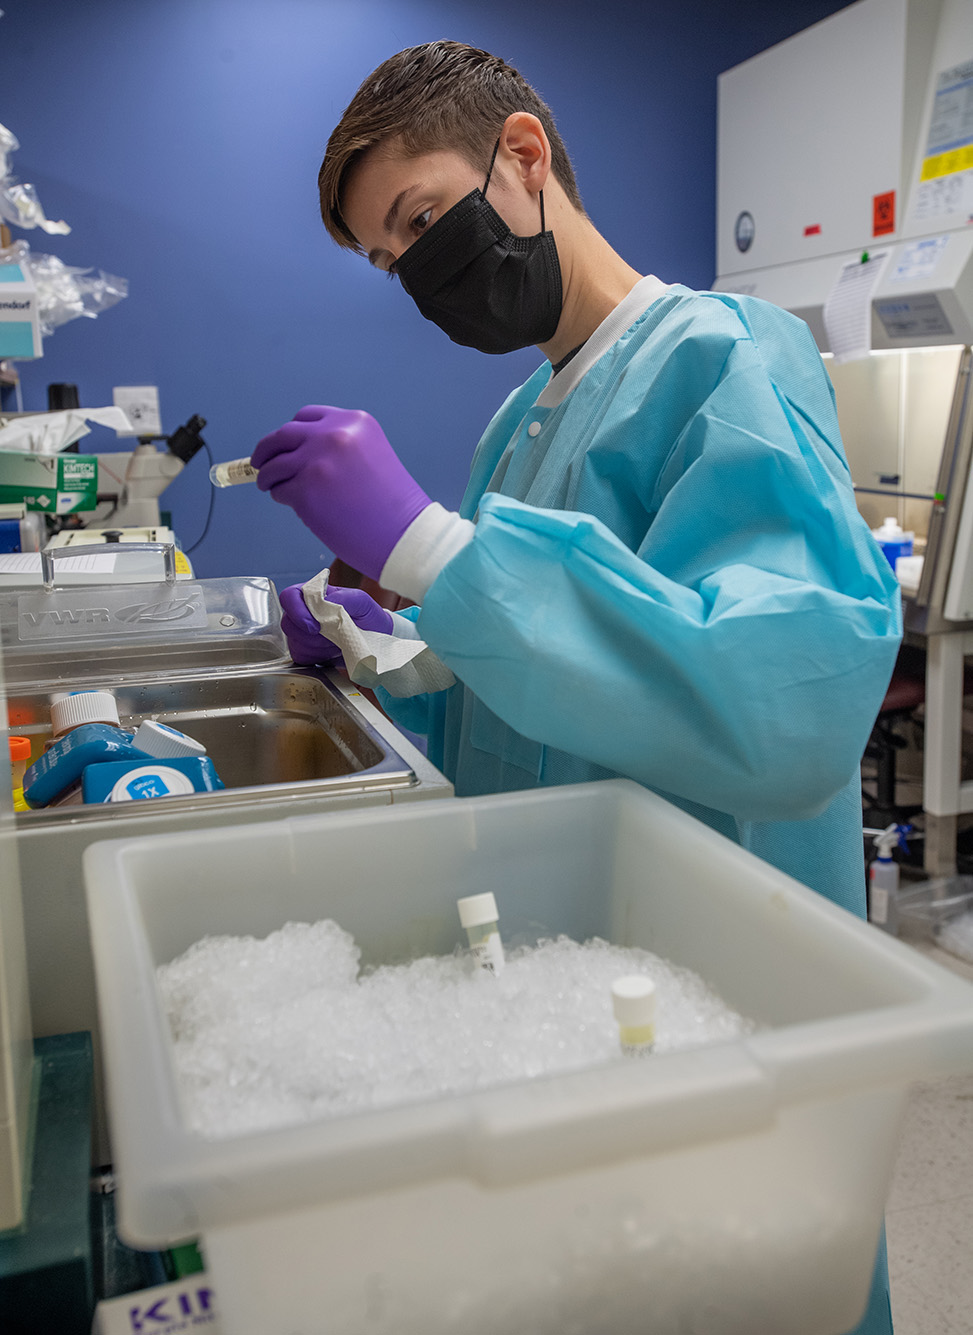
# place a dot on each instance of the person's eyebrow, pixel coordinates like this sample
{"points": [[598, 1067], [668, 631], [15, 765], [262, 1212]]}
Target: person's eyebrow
{"points": [[392, 216], [390, 219]]}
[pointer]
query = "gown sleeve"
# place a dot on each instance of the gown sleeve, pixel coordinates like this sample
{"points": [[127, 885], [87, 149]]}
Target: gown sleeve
{"points": [[736, 657]]}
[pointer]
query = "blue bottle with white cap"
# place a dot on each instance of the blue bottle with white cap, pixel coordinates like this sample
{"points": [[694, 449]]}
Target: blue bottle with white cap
{"points": [[165, 743], [86, 732], [135, 780], [894, 540], [180, 766]]}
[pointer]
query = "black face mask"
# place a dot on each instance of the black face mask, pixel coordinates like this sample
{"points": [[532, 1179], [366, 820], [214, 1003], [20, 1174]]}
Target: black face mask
{"points": [[483, 286]]}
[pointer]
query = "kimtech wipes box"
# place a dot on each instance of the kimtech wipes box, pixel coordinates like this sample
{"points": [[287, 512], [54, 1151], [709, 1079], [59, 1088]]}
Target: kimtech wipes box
{"points": [[185, 1307], [20, 334], [59, 484]]}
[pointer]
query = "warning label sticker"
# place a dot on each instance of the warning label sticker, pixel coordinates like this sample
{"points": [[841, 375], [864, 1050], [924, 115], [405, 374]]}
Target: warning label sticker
{"points": [[883, 213], [946, 176]]}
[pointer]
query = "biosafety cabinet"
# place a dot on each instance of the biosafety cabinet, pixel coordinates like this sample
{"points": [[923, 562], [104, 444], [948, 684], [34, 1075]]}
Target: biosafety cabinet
{"points": [[845, 195], [854, 139], [206, 657]]}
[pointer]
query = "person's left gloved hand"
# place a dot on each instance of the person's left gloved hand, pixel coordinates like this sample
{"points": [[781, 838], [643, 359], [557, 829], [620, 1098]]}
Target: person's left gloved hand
{"points": [[304, 638], [336, 469]]}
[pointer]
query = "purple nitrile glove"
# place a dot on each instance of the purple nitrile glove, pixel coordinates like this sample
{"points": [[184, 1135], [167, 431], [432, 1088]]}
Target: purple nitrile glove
{"points": [[336, 469], [304, 639]]}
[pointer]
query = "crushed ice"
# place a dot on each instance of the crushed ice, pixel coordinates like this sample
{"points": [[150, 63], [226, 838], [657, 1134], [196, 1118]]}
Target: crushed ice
{"points": [[290, 1028]]}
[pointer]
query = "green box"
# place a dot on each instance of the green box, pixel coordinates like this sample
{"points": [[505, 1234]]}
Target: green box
{"points": [[56, 484]]}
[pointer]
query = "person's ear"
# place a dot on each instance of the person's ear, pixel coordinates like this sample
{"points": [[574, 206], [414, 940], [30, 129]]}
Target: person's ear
{"points": [[526, 149]]}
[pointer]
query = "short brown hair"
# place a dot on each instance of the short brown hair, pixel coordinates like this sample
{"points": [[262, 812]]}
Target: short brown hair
{"points": [[443, 95]]}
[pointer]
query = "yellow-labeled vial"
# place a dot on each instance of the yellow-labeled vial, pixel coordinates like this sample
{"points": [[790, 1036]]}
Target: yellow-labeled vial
{"points": [[478, 914], [231, 474], [633, 1004], [19, 758]]}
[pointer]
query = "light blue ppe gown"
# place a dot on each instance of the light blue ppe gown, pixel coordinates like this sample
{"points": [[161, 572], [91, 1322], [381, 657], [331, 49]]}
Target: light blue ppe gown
{"points": [[670, 581]]}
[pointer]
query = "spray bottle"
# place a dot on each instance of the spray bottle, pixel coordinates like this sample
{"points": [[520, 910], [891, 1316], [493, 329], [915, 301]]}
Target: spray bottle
{"points": [[883, 878]]}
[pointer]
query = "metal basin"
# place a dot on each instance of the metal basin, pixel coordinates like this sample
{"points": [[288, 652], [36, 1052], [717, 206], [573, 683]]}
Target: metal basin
{"points": [[286, 731]]}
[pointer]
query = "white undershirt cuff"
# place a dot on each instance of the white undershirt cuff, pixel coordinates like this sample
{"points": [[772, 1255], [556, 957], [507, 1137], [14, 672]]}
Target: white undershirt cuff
{"points": [[432, 539], [404, 628]]}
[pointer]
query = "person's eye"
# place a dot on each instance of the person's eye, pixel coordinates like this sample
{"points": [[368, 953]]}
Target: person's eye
{"points": [[421, 221]]}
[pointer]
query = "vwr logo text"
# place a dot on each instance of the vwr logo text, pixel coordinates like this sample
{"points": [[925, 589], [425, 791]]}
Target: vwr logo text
{"points": [[171, 609], [70, 617], [176, 1312]]}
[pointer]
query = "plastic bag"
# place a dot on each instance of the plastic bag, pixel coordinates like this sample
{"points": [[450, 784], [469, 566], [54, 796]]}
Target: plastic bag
{"points": [[64, 292], [20, 206], [8, 144]]}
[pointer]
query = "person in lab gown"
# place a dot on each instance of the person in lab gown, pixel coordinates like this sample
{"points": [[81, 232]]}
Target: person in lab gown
{"points": [[658, 569]]}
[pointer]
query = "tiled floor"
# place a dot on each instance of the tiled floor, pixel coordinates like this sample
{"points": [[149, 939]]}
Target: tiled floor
{"points": [[929, 1217]]}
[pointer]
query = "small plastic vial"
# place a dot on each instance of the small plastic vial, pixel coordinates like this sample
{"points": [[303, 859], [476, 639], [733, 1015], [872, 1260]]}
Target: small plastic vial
{"points": [[633, 1003], [478, 914], [19, 756], [231, 474]]}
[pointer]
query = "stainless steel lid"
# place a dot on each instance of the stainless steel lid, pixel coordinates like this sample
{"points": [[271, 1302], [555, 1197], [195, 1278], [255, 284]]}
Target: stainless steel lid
{"points": [[106, 632]]}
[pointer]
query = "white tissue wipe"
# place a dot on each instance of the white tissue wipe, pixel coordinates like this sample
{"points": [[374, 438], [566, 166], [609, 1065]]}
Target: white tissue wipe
{"points": [[289, 1029]]}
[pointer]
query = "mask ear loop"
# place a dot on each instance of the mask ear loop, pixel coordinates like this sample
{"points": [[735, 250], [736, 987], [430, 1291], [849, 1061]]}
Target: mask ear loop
{"points": [[496, 149]]}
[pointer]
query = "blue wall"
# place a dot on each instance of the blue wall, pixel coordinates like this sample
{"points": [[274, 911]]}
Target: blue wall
{"points": [[182, 138]]}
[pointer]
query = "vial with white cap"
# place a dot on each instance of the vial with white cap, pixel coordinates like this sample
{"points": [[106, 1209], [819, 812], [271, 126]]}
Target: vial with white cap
{"points": [[633, 1004], [232, 473], [478, 914]]}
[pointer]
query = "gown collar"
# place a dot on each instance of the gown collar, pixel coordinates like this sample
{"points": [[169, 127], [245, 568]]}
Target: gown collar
{"points": [[645, 292]]}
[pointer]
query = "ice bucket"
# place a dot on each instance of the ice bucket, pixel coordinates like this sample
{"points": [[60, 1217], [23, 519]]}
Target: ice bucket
{"points": [[733, 1189]]}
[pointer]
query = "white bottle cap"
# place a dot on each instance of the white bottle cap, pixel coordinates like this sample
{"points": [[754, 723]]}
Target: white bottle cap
{"points": [[83, 707], [477, 910], [633, 1001], [891, 531], [151, 781], [165, 743]]}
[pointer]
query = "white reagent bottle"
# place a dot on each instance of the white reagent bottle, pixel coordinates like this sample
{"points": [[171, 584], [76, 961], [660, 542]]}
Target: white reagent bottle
{"points": [[478, 914]]}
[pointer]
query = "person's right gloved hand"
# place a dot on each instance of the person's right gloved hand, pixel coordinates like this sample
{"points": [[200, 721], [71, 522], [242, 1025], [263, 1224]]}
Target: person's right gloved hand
{"points": [[336, 469], [304, 638]]}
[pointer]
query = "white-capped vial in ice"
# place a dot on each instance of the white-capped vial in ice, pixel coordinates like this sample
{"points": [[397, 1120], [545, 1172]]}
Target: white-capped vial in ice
{"points": [[231, 474], [633, 1004], [478, 914]]}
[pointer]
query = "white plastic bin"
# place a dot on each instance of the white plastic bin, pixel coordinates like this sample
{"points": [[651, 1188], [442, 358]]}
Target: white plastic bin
{"points": [[735, 1189]]}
